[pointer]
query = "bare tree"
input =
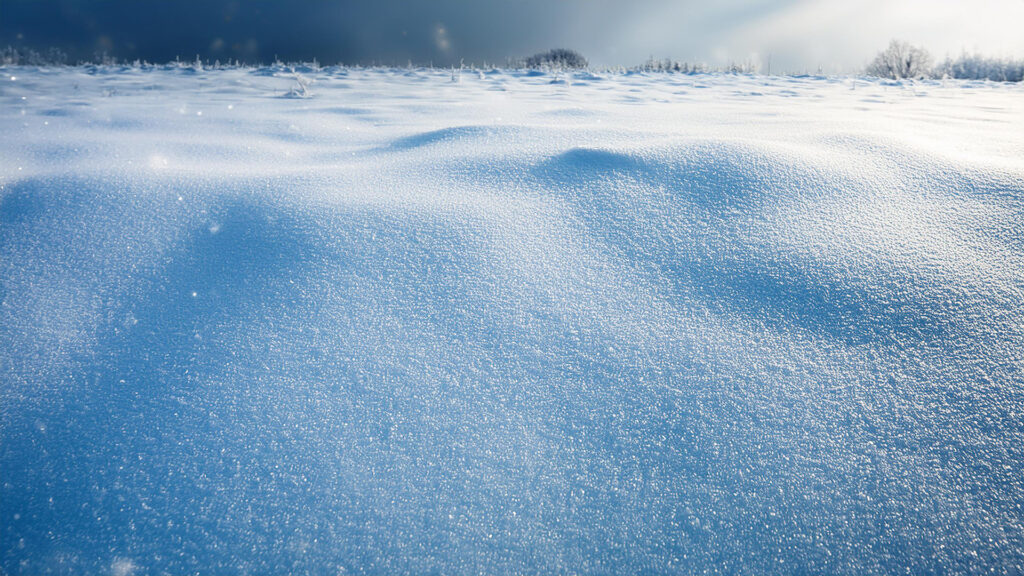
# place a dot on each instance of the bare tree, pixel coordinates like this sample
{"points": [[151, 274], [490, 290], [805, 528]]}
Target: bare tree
{"points": [[900, 60]]}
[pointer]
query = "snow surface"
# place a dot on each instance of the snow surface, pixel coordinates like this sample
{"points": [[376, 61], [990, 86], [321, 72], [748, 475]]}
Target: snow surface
{"points": [[414, 321]]}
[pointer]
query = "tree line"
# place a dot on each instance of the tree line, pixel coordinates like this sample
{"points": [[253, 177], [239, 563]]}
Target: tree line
{"points": [[902, 60]]}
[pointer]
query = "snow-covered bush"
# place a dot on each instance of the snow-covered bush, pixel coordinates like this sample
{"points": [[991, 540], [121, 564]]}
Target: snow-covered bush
{"points": [[557, 58], [901, 60], [301, 87]]}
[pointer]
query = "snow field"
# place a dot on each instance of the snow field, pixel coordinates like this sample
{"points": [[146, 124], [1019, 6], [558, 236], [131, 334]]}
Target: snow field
{"points": [[512, 323]]}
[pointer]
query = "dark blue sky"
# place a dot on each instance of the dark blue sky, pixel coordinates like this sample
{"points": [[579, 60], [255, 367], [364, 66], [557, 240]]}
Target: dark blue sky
{"points": [[834, 34], [389, 31]]}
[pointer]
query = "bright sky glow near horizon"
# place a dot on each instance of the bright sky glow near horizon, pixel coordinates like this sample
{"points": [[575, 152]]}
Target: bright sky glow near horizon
{"points": [[835, 35]]}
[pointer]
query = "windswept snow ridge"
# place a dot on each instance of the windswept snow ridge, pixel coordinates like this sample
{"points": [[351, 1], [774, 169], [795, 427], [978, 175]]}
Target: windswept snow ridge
{"points": [[406, 321]]}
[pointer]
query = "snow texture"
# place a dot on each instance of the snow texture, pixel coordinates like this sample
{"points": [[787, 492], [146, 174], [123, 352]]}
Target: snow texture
{"points": [[341, 321]]}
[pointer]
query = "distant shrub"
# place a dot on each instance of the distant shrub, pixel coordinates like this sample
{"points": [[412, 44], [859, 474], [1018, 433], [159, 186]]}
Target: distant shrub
{"points": [[557, 58], [901, 60], [669, 65], [977, 67], [11, 56]]}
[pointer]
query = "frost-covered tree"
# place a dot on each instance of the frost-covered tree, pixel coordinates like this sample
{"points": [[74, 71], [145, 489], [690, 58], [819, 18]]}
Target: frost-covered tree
{"points": [[901, 60]]}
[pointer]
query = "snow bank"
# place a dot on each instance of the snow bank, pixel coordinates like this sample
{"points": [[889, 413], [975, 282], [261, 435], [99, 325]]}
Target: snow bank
{"points": [[381, 321]]}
